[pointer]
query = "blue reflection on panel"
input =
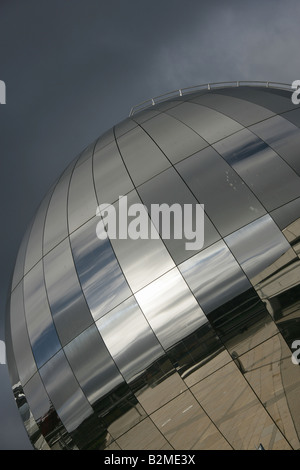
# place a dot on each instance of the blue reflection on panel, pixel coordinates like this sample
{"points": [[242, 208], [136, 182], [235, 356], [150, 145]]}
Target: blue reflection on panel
{"points": [[100, 275], [41, 330]]}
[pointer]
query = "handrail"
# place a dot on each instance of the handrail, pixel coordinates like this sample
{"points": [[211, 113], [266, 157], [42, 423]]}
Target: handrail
{"points": [[209, 86]]}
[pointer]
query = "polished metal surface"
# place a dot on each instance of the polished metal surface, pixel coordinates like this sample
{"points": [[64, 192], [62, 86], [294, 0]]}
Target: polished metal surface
{"points": [[124, 344]]}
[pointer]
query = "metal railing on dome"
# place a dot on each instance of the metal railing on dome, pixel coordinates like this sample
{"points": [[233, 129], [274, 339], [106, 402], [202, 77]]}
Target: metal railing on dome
{"points": [[207, 86]]}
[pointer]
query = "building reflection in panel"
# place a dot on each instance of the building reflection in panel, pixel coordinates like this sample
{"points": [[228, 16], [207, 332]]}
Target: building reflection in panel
{"points": [[70, 312], [102, 281], [186, 426], [261, 168], [272, 375], [292, 234], [144, 436], [41, 330], [273, 269], [34, 433], [115, 407], [175, 139], [151, 258], [206, 170], [169, 188], [229, 402], [64, 392], [139, 356], [228, 299], [45, 415], [283, 137]]}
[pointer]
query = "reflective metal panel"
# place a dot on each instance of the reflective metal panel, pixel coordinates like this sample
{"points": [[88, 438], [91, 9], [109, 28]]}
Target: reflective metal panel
{"points": [[56, 224], [70, 312], [104, 139], [102, 280], [261, 168], [151, 258], [110, 175], [34, 250], [242, 111], [138, 347], [145, 115], [93, 367], [141, 155], [214, 276], [186, 426], [82, 202], [139, 355], [119, 411], [21, 346], [285, 215], [86, 153], [216, 185], [242, 322], [169, 188], [293, 116], [283, 137], [20, 261], [175, 139], [170, 308], [209, 124], [261, 96], [236, 411], [41, 330], [124, 126], [67, 397], [257, 245], [45, 415]]}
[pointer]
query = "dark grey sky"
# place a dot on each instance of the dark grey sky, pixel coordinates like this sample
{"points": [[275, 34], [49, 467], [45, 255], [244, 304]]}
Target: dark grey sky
{"points": [[74, 68]]}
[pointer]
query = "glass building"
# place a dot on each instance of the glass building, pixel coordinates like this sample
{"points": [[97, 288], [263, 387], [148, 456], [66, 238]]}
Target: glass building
{"points": [[142, 344]]}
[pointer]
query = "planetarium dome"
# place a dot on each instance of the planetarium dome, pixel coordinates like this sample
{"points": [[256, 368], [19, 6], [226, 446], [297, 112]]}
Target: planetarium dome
{"points": [[123, 343]]}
